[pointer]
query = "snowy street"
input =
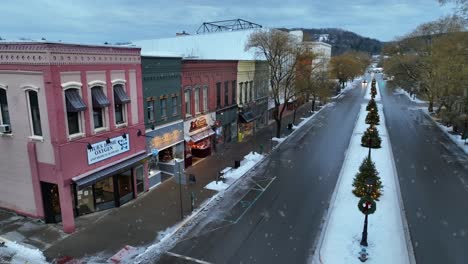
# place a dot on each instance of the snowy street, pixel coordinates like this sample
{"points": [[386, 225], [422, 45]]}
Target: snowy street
{"points": [[342, 234], [277, 212]]}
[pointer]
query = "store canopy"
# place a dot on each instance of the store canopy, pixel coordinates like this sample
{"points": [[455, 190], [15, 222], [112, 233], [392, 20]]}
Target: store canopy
{"points": [[202, 135], [99, 98], [109, 171], [74, 101], [120, 95], [247, 117]]}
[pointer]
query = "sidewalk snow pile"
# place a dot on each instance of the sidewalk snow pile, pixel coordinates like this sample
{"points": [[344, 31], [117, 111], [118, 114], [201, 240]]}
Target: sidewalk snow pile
{"points": [[412, 98], [457, 139], [279, 140], [342, 233], [13, 252], [249, 161]]}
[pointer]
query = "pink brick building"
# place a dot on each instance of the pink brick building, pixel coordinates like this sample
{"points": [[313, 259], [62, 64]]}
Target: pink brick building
{"points": [[71, 129]]}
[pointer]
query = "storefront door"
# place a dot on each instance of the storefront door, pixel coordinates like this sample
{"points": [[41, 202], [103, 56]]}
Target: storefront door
{"points": [[51, 200], [125, 186], [140, 180]]}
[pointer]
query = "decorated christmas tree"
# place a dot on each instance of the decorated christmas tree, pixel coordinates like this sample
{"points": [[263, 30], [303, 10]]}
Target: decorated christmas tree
{"points": [[371, 105], [371, 137], [367, 171], [373, 118]]}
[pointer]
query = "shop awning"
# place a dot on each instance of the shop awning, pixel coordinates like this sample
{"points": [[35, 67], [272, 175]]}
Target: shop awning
{"points": [[99, 98], [109, 171], [120, 96], [246, 117], [202, 135], [74, 101]]}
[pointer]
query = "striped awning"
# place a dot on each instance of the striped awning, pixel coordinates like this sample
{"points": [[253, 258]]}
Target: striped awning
{"points": [[99, 98], [202, 135], [120, 96], [74, 101]]}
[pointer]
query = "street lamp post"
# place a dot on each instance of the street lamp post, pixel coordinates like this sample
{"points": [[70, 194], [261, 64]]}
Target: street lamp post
{"points": [[369, 184], [370, 142]]}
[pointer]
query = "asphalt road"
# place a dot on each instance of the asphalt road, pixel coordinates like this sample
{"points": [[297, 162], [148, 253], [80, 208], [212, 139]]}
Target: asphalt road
{"points": [[279, 224], [433, 175]]}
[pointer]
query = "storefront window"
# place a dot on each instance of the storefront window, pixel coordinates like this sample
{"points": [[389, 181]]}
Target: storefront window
{"points": [[85, 200], [140, 179], [166, 155], [104, 193]]}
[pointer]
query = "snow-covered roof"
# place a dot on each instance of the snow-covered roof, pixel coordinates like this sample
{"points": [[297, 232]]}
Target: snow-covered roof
{"points": [[40, 41], [158, 53], [213, 46]]}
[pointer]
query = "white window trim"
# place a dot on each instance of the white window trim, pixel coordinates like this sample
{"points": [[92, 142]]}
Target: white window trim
{"points": [[119, 81], [26, 90], [81, 125], [188, 112], [205, 107], [71, 85], [97, 83], [124, 108]]}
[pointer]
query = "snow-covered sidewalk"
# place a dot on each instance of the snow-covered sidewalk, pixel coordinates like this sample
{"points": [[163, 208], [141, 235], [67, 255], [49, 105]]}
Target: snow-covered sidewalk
{"points": [[412, 98], [342, 233], [13, 252], [231, 175]]}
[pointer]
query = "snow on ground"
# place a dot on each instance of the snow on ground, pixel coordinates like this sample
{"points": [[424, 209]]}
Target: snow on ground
{"points": [[279, 140], [342, 233], [348, 86], [249, 161], [15, 253], [412, 98], [455, 138]]}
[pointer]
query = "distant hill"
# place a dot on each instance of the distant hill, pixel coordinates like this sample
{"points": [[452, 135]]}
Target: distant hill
{"points": [[342, 40]]}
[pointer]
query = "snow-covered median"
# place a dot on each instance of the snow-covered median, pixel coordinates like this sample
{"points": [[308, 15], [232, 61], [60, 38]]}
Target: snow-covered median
{"points": [[386, 233], [13, 252], [249, 161]]}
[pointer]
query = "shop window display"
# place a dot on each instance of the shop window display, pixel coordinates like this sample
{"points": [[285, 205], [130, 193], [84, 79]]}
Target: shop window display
{"points": [[201, 148], [85, 200], [104, 193], [166, 155]]}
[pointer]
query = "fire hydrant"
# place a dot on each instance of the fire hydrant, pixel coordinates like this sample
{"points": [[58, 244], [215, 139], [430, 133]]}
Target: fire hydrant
{"points": [[363, 255]]}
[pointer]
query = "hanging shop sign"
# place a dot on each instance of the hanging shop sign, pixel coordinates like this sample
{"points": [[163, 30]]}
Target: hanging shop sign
{"points": [[103, 150]]}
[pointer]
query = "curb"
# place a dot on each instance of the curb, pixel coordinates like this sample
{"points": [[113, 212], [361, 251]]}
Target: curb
{"points": [[409, 244], [317, 258]]}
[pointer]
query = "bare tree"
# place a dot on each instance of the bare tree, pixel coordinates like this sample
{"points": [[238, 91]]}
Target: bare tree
{"points": [[461, 6], [280, 50]]}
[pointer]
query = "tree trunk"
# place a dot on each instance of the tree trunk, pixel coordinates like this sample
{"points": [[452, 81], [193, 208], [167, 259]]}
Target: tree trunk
{"points": [[278, 128], [294, 114], [431, 106]]}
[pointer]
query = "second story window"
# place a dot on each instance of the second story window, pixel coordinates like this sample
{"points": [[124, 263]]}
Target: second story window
{"points": [[174, 105], [218, 95], [121, 100], [75, 106], [196, 94], [100, 102], [34, 114], [205, 98], [4, 113], [241, 86], [150, 109], [251, 92], [188, 108], [163, 107], [226, 93], [234, 87]]}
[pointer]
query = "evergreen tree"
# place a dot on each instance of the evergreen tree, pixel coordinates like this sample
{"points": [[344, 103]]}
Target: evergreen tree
{"points": [[373, 118], [371, 136], [367, 170], [371, 105]]}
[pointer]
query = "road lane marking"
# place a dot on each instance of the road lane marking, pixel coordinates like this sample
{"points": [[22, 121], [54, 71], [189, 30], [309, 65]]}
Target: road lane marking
{"points": [[188, 258]]}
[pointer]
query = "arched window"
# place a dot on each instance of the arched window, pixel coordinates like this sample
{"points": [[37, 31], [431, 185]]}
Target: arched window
{"points": [[34, 113], [100, 102], [4, 113], [121, 100], [74, 106]]}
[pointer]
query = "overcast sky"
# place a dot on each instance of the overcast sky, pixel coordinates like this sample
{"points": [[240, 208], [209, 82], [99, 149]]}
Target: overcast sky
{"points": [[98, 21]]}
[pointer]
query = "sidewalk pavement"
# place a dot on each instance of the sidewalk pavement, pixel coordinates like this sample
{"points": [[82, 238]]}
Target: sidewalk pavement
{"points": [[138, 222]]}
